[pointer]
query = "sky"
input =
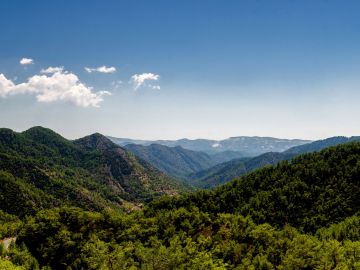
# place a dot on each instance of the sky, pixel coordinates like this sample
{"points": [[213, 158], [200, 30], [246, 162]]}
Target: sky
{"points": [[166, 69]]}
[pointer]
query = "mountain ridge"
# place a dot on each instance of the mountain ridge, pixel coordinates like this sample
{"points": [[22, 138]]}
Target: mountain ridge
{"points": [[227, 171], [91, 172], [178, 161], [246, 145]]}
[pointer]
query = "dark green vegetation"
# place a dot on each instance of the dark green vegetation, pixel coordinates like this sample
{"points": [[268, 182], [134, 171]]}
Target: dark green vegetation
{"points": [[321, 144], [71, 238], [308, 192], [299, 214], [39, 169], [177, 161], [224, 172]]}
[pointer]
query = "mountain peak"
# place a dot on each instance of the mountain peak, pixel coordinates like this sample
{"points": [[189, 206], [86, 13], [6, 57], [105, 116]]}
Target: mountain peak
{"points": [[96, 141], [45, 136], [39, 130]]}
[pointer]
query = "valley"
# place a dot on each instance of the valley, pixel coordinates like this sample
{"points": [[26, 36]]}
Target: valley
{"points": [[92, 204]]}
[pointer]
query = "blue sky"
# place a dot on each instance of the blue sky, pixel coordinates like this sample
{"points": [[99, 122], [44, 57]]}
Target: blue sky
{"points": [[286, 69]]}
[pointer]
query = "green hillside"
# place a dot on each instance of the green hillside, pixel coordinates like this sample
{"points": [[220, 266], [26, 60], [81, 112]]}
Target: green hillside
{"points": [[179, 239], [175, 161], [40, 169], [308, 192], [225, 172], [299, 214]]}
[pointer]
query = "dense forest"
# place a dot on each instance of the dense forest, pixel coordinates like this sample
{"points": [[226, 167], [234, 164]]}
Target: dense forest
{"points": [[226, 171], [300, 214], [175, 161], [39, 169]]}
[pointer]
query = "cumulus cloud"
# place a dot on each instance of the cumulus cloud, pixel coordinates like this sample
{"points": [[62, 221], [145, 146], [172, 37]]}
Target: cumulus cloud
{"points": [[102, 69], [6, 86], [54, 84], [141, 79], [26, 61]]}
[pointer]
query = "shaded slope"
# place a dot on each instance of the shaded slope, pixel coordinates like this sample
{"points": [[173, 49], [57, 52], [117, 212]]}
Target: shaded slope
{"points": [[134, 175], [175, 161], [320, 144], [309, 192], [41, 169], [227, 171]]}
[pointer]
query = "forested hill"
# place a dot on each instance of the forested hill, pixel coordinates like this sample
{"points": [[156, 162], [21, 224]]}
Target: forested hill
{"points": [[309, 192], [40, 169], [320, 144], [175, 161], [225, 172], [300, 214]]}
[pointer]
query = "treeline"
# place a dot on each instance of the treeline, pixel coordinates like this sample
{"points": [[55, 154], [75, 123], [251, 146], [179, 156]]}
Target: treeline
{"points": [[300, 214], [39, 169], [70, 238], [308, 192]]}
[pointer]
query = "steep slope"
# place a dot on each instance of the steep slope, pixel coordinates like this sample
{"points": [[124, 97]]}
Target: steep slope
{"points": [[40, 169], [227, 171], [136, 177], [301, 214], [321, 144], [175, 161], [246, 146], [218, 174], [225, 156], [308, 192]]}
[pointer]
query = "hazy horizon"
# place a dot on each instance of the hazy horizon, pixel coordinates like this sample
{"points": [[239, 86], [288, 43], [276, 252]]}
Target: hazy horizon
{"points": [[178, 138]]}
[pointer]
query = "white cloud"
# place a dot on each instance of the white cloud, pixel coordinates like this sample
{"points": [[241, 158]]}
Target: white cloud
{"points": [[26, 61], [51, 70], [6, 86], [102, 69], [140, 79], [55, 85]]}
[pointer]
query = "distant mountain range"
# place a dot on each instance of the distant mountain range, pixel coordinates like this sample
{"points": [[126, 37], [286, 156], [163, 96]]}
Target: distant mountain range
{"points": [[246, 146], [40, 169], [177, 161], [207, 170], [227, 171]]}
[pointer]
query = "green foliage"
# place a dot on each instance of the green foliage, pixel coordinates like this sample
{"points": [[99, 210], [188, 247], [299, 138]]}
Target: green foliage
{"points": [[6, 264], [301, 214], [309, 192], [39, 169], [225, 172], [175, 161], [178, 239], [19, 255], [9, 225]]}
